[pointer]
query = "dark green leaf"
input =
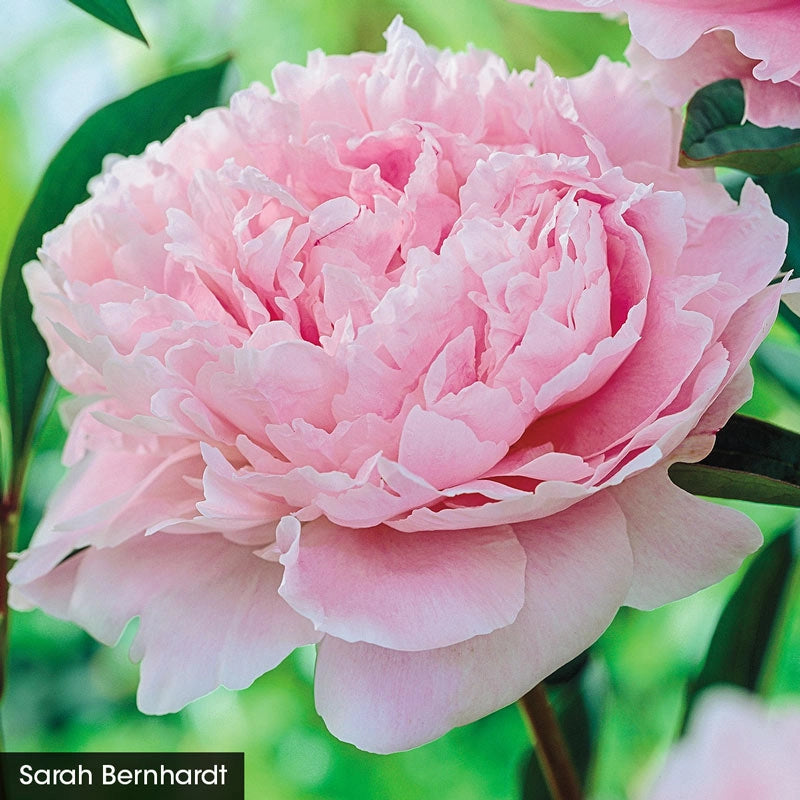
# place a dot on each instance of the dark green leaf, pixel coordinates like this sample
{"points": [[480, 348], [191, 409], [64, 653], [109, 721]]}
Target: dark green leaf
{"points": [[751, 460], [783, 191], [570, 670], [739, 645], [125, 126], [116, 13], [573, 716], [714, 136]]}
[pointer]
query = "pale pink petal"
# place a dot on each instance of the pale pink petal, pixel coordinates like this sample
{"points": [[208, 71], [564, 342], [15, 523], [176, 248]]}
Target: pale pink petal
{"points": [[680, 543], [445, 452], [618, 125], [205, 603], [578, 571], [109, 497], [770, 104], [731, 399], [737, 748], [376, 585], [672, 344]]}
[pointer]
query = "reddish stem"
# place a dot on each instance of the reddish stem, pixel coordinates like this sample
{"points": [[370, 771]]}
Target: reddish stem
{"points": [[551, 749]]}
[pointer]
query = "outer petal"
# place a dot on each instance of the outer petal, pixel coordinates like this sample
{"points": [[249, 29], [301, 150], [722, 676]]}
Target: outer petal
{"points": [[735, 394], [768, 104], [765, 30], [713, 57], [579, 567], [680, 544], [210, 613], [107, 498], [400, 590]]}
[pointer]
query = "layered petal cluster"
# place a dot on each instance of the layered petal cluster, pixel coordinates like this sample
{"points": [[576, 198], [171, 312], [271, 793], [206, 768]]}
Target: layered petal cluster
{"points": [[683, 45], [737, 748], [393, 360]]}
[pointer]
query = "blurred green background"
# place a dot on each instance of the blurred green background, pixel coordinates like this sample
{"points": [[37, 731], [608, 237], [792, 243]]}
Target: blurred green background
{"points": [[65, 692]]}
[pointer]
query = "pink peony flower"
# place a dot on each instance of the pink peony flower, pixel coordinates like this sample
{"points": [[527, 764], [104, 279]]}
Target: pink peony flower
{"points": [[394, 361], [736, 749], [683, 46]]}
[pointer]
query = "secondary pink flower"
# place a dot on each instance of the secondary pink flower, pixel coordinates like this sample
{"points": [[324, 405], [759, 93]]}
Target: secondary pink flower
{"points": [[682, 46], [736, 749], [394, 361]]}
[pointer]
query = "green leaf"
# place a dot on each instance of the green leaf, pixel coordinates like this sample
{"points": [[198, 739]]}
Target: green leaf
{"points": [[714, 136], [751, 460], [125, 127], [739, 646], [783, 191], [573, 716], [116, 13], [783, 363], [789, 317]]}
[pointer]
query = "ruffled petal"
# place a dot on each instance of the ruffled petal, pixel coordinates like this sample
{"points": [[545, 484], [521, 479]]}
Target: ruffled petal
{"points": [[578, 571], [210, 613]]}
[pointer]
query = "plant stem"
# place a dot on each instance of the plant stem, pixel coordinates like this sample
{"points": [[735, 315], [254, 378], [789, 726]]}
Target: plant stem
{"points": [[9, 522], [551, 749]]}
